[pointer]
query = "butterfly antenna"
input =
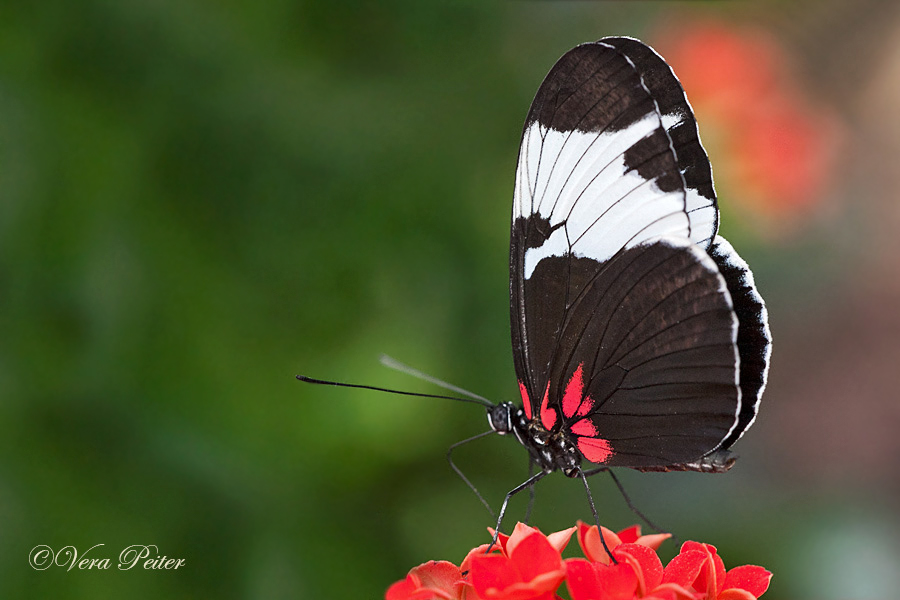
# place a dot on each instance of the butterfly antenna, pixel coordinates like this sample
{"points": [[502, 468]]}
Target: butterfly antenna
{"points": [[399, 366], [306, 379]]}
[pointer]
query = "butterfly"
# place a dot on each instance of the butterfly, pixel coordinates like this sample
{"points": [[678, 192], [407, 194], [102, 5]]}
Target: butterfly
{"points": [[639, 337]]}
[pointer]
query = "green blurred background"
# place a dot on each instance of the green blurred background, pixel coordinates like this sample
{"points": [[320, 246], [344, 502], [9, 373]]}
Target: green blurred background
{"points": [[199, 200]]}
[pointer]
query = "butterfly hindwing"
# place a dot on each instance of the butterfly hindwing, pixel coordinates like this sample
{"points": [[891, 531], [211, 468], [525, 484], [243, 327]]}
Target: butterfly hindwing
{"points": [[662, 385]]}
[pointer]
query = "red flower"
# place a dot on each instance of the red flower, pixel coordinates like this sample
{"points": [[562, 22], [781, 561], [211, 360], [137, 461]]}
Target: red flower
{"points": [[505, 543], [527, 565], [429, 581]]}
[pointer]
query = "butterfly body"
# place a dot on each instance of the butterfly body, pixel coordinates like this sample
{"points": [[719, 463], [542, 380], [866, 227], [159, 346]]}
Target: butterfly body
{"points": [[549, 450]]}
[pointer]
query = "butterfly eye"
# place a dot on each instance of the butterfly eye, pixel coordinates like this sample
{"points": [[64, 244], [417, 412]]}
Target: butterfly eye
{"points": [[500, 418]]}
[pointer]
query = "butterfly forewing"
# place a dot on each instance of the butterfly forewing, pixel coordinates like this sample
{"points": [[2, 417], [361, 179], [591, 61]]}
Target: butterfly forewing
{"points": [[624, 332], [678, 120]]}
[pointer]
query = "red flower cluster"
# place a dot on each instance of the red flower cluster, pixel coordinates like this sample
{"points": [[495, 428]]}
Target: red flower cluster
{"points": [[528, 565]]}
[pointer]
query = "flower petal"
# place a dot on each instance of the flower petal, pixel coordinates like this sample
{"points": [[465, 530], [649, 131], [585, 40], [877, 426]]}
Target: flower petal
{"points": [[673, 591], [545, 582], [718, 567], [689, 545], [538, 562], [401, 590], [591, 580], [408, 589], [437, 574], [481, 550], [581, 579], [560, 539], [630, 535], [684, 568], [617, 581], [592, 546], [520, 532], [646, 564], [663, 594], [712, 576], [518, 591], [654, 540], [433, 579], [736, 594], [491, 574], [502, 539], [750, 578]]}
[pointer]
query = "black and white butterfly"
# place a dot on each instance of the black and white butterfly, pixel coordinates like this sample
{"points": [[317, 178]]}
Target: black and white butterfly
{"points": [[639, 337]]}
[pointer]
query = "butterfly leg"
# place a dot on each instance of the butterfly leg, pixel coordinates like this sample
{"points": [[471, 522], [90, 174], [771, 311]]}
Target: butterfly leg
{"points": [[629, 503], [460, 473], [587, 489], [530, 482], [530, 491]]}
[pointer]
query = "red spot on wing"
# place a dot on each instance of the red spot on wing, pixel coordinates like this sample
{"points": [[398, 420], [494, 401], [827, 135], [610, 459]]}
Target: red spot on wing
{"points": [[548, 415], [584, 427], [526, 403], [585, 407], [573, 403], [573, 394], [596, 450]]}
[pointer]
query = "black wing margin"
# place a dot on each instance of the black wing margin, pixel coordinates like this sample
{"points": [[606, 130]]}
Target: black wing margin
{"points": [[754, 338]]}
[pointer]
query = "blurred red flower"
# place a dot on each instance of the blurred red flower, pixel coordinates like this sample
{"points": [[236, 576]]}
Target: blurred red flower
{"points": [[528, 565], [773, 146]]}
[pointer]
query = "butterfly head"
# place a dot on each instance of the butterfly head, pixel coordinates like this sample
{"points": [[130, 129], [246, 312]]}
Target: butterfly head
{"points": [[500, 417]]}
